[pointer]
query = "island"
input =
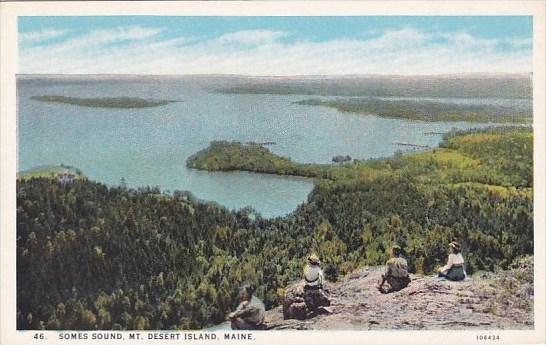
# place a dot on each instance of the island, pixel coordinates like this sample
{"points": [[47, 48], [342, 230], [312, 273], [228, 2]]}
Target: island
{"points": [[104, 102], [420, 110]]}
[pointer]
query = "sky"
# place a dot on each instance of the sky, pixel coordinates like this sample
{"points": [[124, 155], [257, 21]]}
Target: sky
{"points": [[275, 46]]}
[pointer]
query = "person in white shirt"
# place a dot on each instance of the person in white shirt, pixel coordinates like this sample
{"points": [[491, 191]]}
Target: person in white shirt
{"points": [[454, 270], [314, 294], [312, 272]]}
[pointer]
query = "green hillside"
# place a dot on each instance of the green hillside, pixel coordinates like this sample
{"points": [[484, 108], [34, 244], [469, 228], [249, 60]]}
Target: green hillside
{"points": [[96, 257]]}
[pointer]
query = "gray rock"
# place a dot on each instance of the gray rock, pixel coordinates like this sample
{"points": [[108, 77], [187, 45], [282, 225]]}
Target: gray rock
{"points": [[427, 303]]}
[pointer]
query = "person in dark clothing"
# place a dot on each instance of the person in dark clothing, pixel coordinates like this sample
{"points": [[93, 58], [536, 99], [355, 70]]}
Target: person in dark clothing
{"points": [[396, 272], [250, 314]]}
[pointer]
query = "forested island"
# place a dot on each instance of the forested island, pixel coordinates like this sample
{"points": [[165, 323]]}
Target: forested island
{"points": [[104, 102], [90, 256], [425, 110]]}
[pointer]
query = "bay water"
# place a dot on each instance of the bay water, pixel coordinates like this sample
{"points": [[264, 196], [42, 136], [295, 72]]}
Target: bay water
{"points": [[149, 146]]}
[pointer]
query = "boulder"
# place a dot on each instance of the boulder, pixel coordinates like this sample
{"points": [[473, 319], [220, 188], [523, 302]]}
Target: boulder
{"points": [[300, 304], [294, 306]]}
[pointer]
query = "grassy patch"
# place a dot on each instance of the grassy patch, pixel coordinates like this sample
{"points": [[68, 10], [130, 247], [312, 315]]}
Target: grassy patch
{"points": [[50, 171]]}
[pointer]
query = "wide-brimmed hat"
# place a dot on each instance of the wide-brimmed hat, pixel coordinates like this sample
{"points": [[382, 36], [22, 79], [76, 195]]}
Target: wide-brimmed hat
{"points": [[313, 259], [455, 245]]}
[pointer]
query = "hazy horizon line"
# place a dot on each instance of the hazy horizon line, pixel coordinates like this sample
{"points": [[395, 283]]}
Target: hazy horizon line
{"points": [[302, 76]]}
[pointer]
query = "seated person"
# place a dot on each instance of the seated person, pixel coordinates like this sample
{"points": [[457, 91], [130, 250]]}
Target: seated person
{"points": [[454, 270], [250, 314], [314, 294], [396, 272]]}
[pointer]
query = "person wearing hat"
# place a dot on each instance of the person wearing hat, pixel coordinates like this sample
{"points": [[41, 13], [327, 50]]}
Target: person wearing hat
{"points": [[396, 272], [250, 314], [314, 294], [454, 270], [312, 272]]}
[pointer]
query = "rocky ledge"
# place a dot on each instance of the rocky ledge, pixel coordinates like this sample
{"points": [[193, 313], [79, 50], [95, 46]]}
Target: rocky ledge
{"points": [[501, 300]]}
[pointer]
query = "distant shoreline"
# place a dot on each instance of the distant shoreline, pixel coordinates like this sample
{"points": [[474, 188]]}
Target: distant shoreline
{"points": [[425, 110], [486, 85]]}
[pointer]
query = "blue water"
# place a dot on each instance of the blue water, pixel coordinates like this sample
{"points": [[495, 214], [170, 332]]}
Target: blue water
{"points": [[149, 147]]}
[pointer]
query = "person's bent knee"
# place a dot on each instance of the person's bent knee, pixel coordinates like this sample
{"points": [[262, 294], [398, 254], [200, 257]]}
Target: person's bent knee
{"points": [[238, 323], [241, 324], [234, 324]]}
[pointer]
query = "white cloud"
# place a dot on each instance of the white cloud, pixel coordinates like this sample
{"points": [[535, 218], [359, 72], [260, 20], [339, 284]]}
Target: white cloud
{"points": [[40, 36], [251, 37], [520, 42], [96, 39], [262, 52]]}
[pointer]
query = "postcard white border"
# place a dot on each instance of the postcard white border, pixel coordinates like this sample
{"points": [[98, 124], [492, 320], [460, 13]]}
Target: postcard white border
{"points": [[8, 50]]}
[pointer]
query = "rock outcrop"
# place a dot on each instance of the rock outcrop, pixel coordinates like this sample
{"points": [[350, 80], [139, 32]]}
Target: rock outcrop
{"points": [[427, 303], [293, 306], [300, 305]]}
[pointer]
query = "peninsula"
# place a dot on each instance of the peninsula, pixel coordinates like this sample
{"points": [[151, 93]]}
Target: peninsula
{"points": [[233, 155], [420, 110], [461, 158]]}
